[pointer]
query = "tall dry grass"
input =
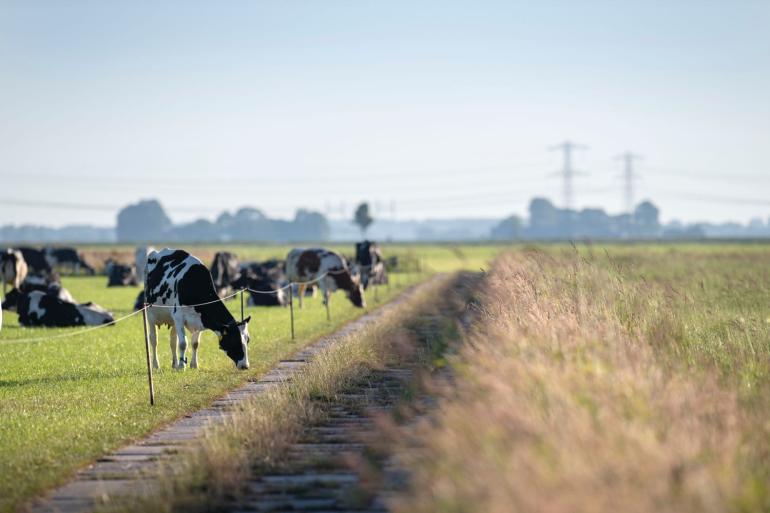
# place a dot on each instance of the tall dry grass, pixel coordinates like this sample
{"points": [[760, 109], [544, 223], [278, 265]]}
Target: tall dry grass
{"points": [[568, 398]]}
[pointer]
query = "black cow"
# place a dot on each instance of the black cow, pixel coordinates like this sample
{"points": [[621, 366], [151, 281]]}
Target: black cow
{"points": [[224, 270], [122, 276], [182, 293], [39, 309], [48, 285], [139, 302], [69, 258], [36, 261], [370, 263], [265, 282]]}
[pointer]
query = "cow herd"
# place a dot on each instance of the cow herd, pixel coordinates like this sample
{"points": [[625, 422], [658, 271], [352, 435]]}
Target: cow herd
{"points": [[183, 293], [37, 295]]}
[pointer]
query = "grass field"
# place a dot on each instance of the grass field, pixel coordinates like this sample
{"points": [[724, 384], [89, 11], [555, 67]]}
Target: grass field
{"points": [[64, 402], [609, 378]]}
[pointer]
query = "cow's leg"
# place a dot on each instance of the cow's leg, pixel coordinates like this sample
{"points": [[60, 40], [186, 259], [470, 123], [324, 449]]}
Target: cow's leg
{"points": [[324, 291], [182, 345], [195, 336], [154, 344], [301, 292], [173, 340]]}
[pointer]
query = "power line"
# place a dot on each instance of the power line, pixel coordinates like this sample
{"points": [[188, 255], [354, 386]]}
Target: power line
{"points": [[629, 177], [568, 172], [61, 205]]}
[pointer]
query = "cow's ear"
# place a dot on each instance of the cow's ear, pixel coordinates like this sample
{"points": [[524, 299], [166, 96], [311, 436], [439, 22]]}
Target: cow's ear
{"points": [[247, 319]]}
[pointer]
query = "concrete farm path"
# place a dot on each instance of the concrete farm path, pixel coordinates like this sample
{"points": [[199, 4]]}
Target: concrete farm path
{"points": [[132, 470]]}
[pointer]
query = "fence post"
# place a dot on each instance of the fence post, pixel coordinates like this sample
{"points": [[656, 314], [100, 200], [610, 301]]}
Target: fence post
{"points": [[147, 354], [291, 308], [241, 305]]}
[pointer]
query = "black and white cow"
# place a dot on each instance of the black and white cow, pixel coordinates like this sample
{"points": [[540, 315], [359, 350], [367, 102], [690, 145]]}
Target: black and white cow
{"points": [[303, 265], [13, 268], [265, 282], [36, 261], [370, 263], [140, 258], [175, 280], [224, 270], [122, 275], [46, 284], [67, 258], [40, 309]]}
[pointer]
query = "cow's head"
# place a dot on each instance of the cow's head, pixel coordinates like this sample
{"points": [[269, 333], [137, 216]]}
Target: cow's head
{"points": [[356, 293], [234, 340]]}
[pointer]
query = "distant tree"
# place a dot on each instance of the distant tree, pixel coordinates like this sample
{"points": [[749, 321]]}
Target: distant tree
{"points": [[646, 222], [545, 220], [594, 223], [308, 225], [362, 218], [144, 221], [507, 229]]}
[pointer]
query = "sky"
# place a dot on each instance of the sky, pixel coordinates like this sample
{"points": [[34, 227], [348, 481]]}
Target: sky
{"points": [[426, 109]]}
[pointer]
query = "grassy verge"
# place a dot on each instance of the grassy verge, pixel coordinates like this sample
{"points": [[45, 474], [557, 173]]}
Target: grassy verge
{"points": [[633, 380], [262, 429]]}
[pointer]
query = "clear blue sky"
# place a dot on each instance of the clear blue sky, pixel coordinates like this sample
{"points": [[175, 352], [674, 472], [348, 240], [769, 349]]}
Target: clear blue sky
{"points": [[445, 108]]}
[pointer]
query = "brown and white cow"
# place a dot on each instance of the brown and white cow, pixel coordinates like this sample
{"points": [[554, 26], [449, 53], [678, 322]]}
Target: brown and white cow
{"points": [[331, 270]]}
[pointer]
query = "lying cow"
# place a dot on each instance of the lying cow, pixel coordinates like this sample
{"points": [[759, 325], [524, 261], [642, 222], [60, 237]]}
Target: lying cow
{"points": [[370, 263], [177, 281], [263, 290], [224, 270], [45, 284], [69, 258], [13, 268], [303, 265], [39, 309], [36, 261], [122, 276]]}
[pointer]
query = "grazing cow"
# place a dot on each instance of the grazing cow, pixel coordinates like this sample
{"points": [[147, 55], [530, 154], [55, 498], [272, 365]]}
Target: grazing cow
{"points": [[36, 261], [183, 290], [224, 271], [45, 284], [265, 284], [304, 265], [140, 256], [13, 268], [122, 276], [371, 264], [39, 309], [67, 257]]}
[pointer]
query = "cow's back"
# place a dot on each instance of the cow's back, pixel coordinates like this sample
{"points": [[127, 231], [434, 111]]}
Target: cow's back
{"points": [[175, 277]]}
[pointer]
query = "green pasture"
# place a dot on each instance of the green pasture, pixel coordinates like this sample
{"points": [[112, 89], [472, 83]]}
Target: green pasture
{"points": [[64, 402]]}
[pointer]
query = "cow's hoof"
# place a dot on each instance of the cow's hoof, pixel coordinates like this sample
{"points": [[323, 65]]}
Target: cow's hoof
{"points": [[194, 365], [155, 365]]}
